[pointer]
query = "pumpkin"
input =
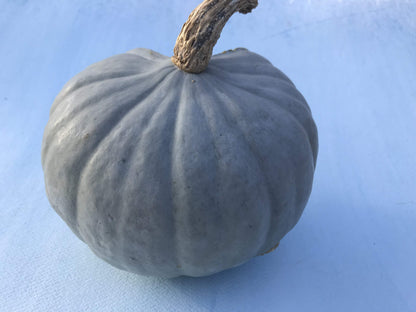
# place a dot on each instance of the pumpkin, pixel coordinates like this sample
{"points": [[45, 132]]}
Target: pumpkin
{"points": [[187, 165]]}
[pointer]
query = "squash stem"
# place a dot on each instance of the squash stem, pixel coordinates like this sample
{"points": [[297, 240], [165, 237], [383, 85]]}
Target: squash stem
{"points": [[194, 45]]}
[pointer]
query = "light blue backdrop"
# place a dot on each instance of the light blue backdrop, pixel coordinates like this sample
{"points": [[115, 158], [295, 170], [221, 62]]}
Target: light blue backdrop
{"points": [[355, 246]]}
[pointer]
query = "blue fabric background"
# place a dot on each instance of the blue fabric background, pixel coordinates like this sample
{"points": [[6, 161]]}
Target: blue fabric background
{"points": [[354, 249]]}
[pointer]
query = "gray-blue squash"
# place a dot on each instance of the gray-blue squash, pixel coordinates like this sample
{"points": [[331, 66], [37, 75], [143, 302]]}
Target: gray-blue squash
{"points": [[165, 172]]}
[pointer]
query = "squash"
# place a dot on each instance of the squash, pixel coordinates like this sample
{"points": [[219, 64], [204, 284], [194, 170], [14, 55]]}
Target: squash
{"points": [[187, 165]]}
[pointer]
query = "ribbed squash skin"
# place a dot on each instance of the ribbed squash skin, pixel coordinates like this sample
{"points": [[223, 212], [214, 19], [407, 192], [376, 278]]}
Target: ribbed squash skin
{"points": [[167, 173]]}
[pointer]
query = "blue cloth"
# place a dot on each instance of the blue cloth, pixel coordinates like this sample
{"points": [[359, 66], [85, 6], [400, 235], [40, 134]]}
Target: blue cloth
{"points": [[354, 248]]}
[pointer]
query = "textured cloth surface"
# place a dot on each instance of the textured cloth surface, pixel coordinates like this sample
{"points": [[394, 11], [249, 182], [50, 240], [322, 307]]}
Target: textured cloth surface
{"points": [[355, 245]]}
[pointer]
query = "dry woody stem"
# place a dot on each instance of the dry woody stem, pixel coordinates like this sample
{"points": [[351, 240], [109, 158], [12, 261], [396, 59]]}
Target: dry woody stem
{"points": [[194, 45]]}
